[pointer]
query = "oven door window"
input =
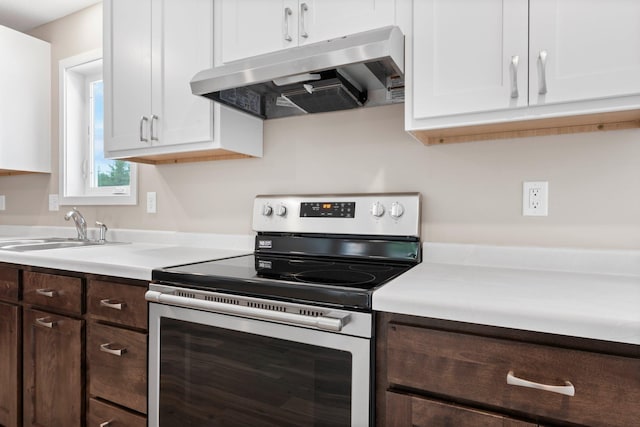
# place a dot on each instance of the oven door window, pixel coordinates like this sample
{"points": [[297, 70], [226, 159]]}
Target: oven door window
{"points": [[215, 376]]}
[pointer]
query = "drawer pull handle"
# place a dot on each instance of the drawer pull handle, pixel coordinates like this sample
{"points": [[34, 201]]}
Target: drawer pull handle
{"points": [[112, 304], [105, 424], [47, 292], [46, 322], [568, 389], [115, 351]]}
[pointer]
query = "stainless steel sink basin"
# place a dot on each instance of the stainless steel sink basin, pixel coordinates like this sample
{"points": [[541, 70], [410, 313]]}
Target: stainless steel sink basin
{"points": [[24, 245]]}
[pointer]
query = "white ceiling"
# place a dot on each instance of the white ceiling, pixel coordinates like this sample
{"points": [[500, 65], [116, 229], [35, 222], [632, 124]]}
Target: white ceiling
{"points": [[24, 15]]}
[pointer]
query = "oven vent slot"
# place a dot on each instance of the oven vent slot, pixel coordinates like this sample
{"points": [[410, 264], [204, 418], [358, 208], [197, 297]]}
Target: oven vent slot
{"points": [[264, 306], [185, 294], [312, 313], [222, 300]]}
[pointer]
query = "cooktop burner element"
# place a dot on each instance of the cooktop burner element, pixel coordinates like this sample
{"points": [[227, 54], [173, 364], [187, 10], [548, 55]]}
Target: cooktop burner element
{"points": [[325, 250]]}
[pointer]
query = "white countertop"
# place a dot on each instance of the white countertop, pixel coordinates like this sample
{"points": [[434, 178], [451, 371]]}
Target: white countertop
{"points": [[144, 250], [583, 293]]}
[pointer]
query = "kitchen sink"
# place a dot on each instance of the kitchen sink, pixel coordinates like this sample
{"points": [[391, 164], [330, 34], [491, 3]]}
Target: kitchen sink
{"points": [[25, 245]]}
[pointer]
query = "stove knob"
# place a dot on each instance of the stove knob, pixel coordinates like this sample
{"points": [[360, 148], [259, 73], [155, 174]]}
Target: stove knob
{"points": [[281, 210], [377, 209], [396, 210], [267, 210]]}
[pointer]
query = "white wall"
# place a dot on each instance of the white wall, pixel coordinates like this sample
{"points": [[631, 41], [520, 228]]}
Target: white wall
{"points": [[471, 191]]}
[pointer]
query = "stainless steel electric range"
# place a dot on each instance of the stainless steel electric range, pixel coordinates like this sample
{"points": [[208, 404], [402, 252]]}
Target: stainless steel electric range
{"points": [[282, 336]]}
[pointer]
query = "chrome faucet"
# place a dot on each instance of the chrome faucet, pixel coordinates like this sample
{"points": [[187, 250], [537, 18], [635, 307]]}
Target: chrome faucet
{"points": [[81, 224]]}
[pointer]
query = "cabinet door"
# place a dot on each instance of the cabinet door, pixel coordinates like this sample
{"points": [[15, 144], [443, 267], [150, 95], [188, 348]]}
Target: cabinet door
{"points": [[9, 365], [326, 19], [464, 53], [251, 28], [408, 411], [127, 73], [182, 45], [592, 49], [52, 363]]}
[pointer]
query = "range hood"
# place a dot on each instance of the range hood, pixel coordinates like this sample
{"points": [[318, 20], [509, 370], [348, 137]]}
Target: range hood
{"points": [[359, 70]]}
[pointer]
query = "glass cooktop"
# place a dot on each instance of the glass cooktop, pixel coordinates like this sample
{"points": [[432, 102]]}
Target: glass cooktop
{"points": [[325, 281]]}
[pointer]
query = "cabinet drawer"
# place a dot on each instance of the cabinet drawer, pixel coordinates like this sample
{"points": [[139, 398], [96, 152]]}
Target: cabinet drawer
{"points": [[117, 303], [51, 290], [117, 361], [9, 283], [404, 410], [607, 388], [101, 413]]}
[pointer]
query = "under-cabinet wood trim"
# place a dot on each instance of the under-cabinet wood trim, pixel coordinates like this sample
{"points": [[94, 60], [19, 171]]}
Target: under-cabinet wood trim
{"points": [[525, 128], [188, 157]]}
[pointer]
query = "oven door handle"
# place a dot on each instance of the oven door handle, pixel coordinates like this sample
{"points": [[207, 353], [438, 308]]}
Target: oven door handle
{"points": [[320, 322]]}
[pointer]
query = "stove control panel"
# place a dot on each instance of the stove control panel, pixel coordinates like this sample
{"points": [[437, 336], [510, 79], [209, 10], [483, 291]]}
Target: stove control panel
{"points": [[389, 214]]}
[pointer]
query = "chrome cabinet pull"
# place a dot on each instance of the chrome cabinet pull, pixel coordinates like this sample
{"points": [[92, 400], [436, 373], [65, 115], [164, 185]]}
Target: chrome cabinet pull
{"points": [[154, 137], [142, 120], [513, 68], [115, 351], [303, 8], [47, 292], [46, 322], [568, 389], [112, 304], [542, 72], [287, 14]]}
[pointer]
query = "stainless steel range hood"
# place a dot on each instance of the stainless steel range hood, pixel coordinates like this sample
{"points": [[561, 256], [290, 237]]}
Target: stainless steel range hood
{"points": [[359, 70]]}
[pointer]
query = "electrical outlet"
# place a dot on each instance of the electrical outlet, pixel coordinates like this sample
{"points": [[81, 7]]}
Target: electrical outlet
{"points": [[151, 202], [2, 203], [54, 204], [535, 198]]}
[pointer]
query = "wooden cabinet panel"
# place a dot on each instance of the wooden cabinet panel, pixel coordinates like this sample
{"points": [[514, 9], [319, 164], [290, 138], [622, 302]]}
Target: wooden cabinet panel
{"points": [[411, 411], [119, 378], [9, 288], [54, 291], [53, 394], [100, 413], [10, 372], [117, 303], [473, 368]]}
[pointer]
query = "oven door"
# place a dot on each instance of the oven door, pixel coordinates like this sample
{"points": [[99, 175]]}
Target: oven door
{"points": [[212, 369]]}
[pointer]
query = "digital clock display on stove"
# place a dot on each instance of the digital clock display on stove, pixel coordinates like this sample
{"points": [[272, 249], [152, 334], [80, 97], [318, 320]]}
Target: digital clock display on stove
{"points": [[327, 209]]}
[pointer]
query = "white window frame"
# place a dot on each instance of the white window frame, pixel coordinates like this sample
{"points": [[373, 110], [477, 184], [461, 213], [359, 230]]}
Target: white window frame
{"points": [[76, 152]]}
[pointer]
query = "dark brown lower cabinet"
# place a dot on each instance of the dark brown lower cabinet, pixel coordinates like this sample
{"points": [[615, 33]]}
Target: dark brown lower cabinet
{"points": [[53, 393], [104, 414], [406, 410], [10, 372]]}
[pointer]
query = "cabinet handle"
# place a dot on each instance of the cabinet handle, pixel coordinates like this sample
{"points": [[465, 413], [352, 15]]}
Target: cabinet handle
{"points": [[154, 137], [142, 120], [105, 424], [513, 68], [47, 292], [46, 322], [303, 8], [115, 351], [568, 389], [287, 14], [542, 72], [112, 304]]}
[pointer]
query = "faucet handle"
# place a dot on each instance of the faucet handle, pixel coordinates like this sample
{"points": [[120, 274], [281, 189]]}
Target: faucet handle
{"points": [[103, 231]]}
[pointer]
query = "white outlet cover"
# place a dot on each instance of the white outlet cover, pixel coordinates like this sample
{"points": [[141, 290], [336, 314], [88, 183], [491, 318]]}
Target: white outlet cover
{"points": [[151, 202], [54, 204], [535, 198], [2, 203]]}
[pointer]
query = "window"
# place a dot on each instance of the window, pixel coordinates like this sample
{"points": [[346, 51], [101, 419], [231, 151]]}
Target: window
{"points": [[86, 177]]}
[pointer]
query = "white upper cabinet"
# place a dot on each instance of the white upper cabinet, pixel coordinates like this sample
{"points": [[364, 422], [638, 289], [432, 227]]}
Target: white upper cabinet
{"points": [[472, 63], [592, 49], [152, 49], [469, 55], [25, 103], [250, 28]]}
